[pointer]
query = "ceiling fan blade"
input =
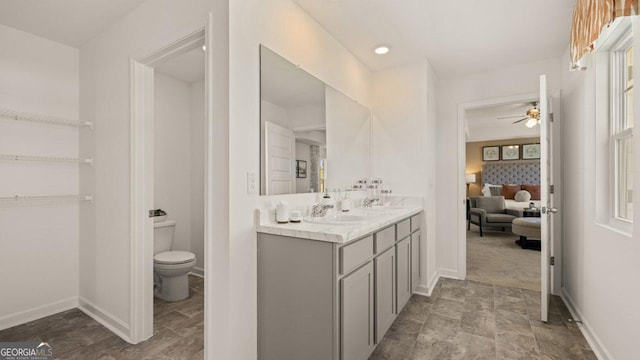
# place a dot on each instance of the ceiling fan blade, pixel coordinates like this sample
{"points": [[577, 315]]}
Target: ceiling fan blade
{"points": [[508, 117], [517, 121]]}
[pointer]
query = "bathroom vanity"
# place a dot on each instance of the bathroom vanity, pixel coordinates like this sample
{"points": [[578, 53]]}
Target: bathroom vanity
{"points": [[332, 290]]}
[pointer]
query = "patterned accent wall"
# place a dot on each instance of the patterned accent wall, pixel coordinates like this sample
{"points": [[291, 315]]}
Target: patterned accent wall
{"points": [[522, 173], [314, 166]]}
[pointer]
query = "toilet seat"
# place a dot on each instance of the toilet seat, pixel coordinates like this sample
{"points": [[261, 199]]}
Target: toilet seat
{"points": [[174, 257]]}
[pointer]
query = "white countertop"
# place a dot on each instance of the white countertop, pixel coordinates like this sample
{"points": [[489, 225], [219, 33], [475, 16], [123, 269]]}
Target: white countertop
{"points": [[375, 219]]}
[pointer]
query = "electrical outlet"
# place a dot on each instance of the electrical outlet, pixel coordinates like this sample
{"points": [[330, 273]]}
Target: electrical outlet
{"points": [[252, 185]]}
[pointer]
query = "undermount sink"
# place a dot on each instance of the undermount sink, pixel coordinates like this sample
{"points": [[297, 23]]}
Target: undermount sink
{"points": [[382, 208], [336, 219]]}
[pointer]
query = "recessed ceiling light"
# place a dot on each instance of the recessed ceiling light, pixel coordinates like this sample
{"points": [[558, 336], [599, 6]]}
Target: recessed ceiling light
{"points": [[382, 49], [204, 47]]}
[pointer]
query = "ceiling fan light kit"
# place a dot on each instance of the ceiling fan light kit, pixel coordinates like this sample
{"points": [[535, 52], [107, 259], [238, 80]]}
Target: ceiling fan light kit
{"points": [[531, 122], [532, 117]]}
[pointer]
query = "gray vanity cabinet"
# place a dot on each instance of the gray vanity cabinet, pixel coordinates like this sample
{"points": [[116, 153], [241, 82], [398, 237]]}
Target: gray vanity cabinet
{"points": [[356, 309], [415, 259], [404, 287], [319, 300], [385, 275], [416, 247]]}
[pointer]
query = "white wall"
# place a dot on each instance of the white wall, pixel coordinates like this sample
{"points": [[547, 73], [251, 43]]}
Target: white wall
{"points": [[600, 265], [515, 80], [105, 99], [273, 113], [307, 117], [348, 141], [285, 28], [38, 241], [172, 155], [404, 143], [197, 173]]}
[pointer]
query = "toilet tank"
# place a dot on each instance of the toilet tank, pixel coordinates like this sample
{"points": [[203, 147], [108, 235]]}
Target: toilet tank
{"points": [[163, 235]]}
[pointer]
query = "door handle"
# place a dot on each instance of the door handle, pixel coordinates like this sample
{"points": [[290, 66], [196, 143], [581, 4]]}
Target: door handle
{"points": [[551, 210]]}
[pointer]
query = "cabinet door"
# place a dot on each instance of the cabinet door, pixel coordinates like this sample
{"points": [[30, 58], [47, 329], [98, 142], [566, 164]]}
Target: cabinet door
{"points": [[385, 267], [403, 249], [356, 309], [415, 258]]}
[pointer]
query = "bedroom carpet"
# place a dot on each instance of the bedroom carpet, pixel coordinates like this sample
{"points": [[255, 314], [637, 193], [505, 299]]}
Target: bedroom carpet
{"points": [[496, 259]]}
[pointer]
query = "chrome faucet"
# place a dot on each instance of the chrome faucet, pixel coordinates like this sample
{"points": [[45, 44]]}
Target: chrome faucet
{"points": [[319, 210], [370, 201]]}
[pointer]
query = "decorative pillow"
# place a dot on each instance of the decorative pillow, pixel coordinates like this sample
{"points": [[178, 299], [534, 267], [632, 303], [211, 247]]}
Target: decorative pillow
{"points": [[491, 190], [522, 196], [486, 190], [509, 191], [534, 190], [495, 190]]}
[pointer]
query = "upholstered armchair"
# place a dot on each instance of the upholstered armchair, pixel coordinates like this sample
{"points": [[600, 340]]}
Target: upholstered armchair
{"points": [[490, 211]]}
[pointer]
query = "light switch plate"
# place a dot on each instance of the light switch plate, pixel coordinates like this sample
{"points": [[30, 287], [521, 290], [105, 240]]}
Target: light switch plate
{"points": [[252, 186]]}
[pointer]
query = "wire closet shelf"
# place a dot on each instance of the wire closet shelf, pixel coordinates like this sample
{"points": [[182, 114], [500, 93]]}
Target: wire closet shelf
{"points": [[43, 119], [21, 198], [56, 159]]}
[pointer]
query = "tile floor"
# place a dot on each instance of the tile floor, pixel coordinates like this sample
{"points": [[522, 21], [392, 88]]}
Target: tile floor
{"points": [[462, 320], [474, 320], [178, 329]]}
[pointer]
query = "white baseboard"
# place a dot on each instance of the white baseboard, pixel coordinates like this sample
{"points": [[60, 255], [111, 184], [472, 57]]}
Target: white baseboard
{"points": [[105, 318], [432, 283], [594, 341], [199, 272], [427, 289], [451, 274], [38, 312]]}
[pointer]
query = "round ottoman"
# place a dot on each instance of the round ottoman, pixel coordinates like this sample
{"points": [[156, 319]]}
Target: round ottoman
{"points": [[526, 227]]}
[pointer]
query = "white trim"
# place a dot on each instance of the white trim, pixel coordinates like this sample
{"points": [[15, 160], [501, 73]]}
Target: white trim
{"points": [[141, 264], [105, 318], [38, 312], [197, 271], [450, 274], [597, 346], [141, 188]]}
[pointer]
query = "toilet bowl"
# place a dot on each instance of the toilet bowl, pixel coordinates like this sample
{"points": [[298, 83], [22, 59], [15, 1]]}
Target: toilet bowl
{"points": [[171, 268]]}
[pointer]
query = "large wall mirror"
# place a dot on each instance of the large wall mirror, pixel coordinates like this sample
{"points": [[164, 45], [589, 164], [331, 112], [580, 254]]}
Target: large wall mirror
{"points": [[312, 137]]}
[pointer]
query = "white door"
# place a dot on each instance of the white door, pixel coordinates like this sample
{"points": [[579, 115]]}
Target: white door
{"points": [[546, 175], [280, 143]]}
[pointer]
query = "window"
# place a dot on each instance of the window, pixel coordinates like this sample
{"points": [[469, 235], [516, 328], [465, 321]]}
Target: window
{"points": [[613, 113], [621, 140]]}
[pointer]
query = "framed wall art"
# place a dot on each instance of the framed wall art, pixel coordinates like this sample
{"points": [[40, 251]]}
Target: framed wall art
{"points": [[511, 152], [530, 151], [490, 153], [301, 169]]}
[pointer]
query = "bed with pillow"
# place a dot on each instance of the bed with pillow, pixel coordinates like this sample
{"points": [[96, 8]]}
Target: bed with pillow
{"points": [[516, 196], [518, 182]]}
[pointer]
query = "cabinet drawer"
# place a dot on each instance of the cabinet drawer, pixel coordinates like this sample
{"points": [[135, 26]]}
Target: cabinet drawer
{"points": [[355, 254], [415, 222], [384, 239], [404, 229]]}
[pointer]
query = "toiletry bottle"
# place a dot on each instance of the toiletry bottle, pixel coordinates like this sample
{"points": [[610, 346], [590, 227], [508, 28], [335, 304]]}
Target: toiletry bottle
{"points": [[282, 212]]}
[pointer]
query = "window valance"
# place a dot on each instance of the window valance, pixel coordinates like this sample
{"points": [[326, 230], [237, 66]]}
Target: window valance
{"points": [[590, 17]]}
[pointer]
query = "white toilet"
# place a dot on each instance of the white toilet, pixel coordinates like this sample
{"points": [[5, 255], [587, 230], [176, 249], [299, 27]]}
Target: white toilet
{"points": [[171, 268]]}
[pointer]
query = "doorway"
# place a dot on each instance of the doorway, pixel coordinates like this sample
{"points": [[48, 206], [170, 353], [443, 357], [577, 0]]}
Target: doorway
{"points": [[170, 165], [500, 149], [550, 174]]}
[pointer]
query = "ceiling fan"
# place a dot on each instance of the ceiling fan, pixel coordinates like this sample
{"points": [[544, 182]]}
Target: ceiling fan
{"points": [[532, 117]]}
